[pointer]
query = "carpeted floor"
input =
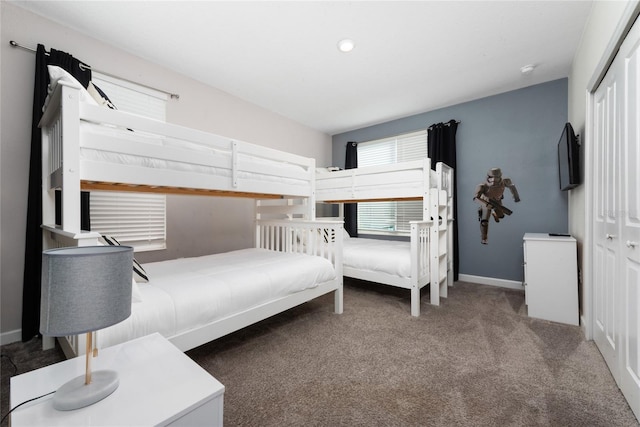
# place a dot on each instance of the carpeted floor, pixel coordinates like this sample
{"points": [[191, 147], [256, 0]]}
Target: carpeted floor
{"points": [[477, 360]]}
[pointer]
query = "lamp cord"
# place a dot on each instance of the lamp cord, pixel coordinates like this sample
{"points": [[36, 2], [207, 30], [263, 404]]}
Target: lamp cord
{"points": [[15, 370], [26, 401]]}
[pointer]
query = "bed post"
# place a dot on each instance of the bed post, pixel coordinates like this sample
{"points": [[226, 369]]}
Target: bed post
{"points": [[426, 188], [312, 194], [60, 156], [415, 262], [337, 264], [71, 159]]}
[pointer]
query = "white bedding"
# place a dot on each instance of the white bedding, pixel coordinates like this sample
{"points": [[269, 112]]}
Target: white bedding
{"points": [[386, 256], [186, 293]]}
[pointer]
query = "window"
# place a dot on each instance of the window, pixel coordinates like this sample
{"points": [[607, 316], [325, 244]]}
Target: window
{"points": [[131, 97], [135, 219], [390, 217]]}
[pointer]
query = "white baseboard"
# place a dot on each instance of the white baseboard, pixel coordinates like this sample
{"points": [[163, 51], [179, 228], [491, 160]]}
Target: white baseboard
{"points": [[11, 336], [501, 283], [583, 326]]}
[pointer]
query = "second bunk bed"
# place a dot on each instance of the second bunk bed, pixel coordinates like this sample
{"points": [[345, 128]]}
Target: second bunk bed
{"points": [[425, 259]]}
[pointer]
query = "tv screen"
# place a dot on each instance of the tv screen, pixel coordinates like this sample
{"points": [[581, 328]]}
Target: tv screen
{"points": [[568, 159]]}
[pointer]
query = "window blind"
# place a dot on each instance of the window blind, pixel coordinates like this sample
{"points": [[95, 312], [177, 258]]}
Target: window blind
{"points": [[132, 98], [390, 217], [135, 219]]}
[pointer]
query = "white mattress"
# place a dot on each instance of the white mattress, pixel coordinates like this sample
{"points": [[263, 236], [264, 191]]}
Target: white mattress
{"points": [[152, 143], [187, 293], [385, 256]]}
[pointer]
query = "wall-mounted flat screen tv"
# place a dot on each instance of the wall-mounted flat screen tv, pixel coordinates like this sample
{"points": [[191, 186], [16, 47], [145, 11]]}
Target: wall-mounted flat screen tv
{"points": [[568, 159]]}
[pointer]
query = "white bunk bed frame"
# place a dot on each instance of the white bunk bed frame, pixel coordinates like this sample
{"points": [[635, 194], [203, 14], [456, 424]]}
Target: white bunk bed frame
{"points": [[404, 181], [65, 169]]}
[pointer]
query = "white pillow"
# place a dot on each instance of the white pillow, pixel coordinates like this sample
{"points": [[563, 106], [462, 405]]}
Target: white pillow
{"points": [[96, 96], [139, 274], [345, 234], [57, 74]]}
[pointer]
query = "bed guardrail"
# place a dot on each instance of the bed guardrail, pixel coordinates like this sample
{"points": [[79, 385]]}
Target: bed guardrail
{"points": [[320, 237], [399, 181], [420, 271]]}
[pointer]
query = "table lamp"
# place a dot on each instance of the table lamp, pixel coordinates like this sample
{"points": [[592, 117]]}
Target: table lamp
{"points": [[84, 289]]}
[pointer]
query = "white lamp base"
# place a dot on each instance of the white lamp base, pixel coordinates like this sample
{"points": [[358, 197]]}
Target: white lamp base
{"points": [[75, 394]]}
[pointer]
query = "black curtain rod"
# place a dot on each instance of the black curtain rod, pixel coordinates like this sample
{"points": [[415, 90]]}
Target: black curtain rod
{"points": [[445, 123], [88, 67]]}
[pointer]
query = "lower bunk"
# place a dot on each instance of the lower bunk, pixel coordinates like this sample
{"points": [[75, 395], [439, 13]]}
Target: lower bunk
{"points": [[396, 263], [191, 301], [426, 258]]}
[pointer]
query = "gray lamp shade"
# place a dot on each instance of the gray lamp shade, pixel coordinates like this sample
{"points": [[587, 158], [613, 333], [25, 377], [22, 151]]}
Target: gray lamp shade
{"points": [[85, 289]]}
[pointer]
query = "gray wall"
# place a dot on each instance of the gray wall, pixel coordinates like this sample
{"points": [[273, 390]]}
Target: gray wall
{"points": [[517, 131]]}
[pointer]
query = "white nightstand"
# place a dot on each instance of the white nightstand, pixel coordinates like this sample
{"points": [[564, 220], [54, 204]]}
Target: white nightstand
{"points": [[159, 385], [551, 277]]}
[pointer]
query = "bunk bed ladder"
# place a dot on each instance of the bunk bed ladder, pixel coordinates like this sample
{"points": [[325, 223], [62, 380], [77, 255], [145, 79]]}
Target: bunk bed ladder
{"points": [[439, 245], [450, 241], [445, 182]]}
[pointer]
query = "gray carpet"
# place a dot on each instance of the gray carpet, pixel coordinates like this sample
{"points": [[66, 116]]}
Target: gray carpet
{"points": [[477, 360]]}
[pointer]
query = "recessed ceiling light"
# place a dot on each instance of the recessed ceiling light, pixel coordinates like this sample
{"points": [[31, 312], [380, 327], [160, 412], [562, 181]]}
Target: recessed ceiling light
{"points": [[527, 69], [346, 45]]}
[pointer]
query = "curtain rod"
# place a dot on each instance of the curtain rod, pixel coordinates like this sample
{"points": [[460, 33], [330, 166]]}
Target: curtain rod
{"points": [[445, 123], [88, 67]]}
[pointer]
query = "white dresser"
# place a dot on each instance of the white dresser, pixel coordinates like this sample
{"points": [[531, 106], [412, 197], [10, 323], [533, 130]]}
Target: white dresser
{"points": [[551, 277], [159, 385]]}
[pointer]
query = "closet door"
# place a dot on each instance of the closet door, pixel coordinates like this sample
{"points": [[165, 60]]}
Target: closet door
{"points": [[630, 221], [606, 235]]}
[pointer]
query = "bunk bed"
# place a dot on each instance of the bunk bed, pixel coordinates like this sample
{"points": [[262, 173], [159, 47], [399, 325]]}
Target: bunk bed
{"points": [[411, 265], [87, 147]]}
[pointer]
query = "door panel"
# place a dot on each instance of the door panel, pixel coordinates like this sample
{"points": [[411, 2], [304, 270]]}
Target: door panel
{"points": [[605, 235], [630, 221]]}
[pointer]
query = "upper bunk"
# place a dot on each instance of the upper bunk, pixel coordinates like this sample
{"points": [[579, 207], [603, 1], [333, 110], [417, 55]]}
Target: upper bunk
{"points": [[404, 181], [87, 147]]}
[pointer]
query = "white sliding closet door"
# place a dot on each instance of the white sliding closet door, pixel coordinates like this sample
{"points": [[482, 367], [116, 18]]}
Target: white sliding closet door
{"points": [[616, 220], [630, 221], [605, 253]]}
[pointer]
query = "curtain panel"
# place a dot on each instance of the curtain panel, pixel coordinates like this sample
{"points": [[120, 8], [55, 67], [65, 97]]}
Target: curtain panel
{"points": [[442, 148], [351, 209], [33, 237]]}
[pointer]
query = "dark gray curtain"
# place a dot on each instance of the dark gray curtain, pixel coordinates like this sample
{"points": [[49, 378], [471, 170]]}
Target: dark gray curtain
{"points": [[442, 148], [33, 241], [351, 209]]}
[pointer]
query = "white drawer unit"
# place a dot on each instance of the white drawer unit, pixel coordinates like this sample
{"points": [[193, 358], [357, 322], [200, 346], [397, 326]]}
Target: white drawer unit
{"points": [[159, 386], [551, 277]]}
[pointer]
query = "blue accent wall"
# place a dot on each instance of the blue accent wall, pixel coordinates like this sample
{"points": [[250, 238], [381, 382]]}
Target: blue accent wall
{"points": [[517, 131]]}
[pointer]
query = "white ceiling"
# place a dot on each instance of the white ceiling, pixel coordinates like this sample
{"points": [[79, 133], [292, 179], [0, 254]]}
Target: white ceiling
{"points": [[410, 57]]}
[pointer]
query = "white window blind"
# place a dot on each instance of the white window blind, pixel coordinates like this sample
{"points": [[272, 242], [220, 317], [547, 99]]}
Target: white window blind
{"points": [[132, 98], [134, 219], [390, 217]]}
